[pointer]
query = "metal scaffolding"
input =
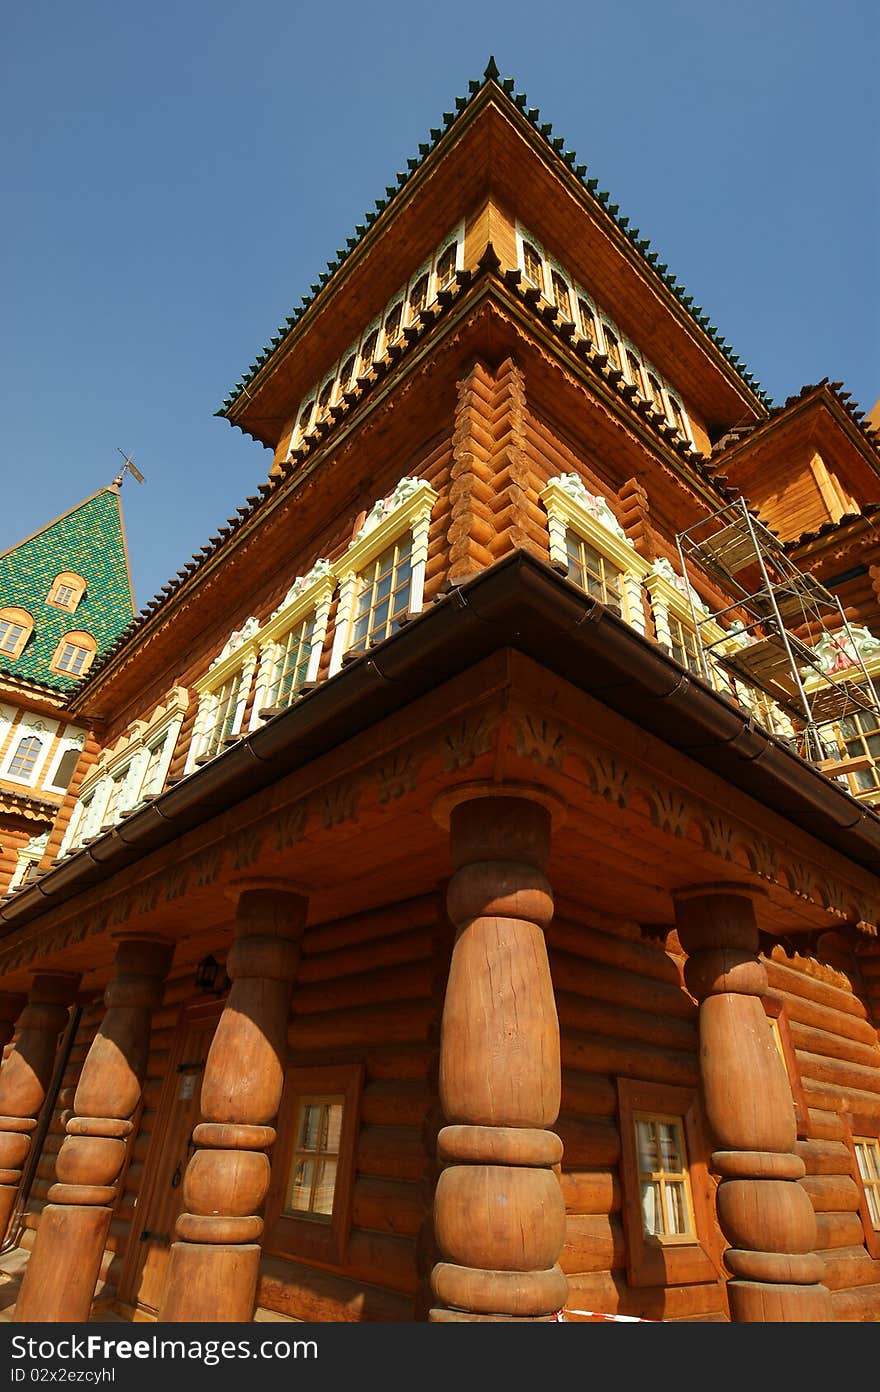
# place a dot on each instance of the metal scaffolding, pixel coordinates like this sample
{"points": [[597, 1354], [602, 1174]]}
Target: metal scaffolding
{"points": [[776, 616]]}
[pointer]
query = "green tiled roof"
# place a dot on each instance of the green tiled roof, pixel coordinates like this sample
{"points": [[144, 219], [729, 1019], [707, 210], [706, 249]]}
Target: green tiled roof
{"points": [[492, 77], [89, 540]]}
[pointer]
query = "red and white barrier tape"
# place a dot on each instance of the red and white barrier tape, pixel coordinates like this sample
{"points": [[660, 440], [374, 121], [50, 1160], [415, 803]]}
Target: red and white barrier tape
{"points": [[594, 1315]]}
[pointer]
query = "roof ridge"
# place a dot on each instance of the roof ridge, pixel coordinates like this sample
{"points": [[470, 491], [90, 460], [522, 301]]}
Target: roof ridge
{"points": [[506, 85]]}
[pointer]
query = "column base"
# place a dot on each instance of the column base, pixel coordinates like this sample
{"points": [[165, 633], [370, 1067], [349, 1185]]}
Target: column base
{"points": [[759, 1302], [209, 1283], [61, 1275], [439, 1315]]}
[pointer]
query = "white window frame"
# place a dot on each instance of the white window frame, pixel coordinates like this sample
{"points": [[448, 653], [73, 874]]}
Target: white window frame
{"points": [[374, 327], [72, 738], [426, 269], [409, 507], [524, 235], [569, 504], [306, 411], [237, 660], [310, 594], [30, 854], [456, 236], [398, 299], [666, 598], [45, 730], [552, 267]]}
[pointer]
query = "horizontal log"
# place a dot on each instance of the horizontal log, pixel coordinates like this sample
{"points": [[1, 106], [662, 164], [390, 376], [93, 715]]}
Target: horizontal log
{"points": [[389, 1062], [824, 1124], [390, 1205], [375, 923], [643, 959], [835, 1046], [608, 1293], [627, 1059], [828, 1096], [592, 1243], [859, 1306], [797, 982], [394, 1152], [590, 1191], [395, 1103], [820, 1068], [394, 1023], [835, 1022], [408, 981], [366, 957], [593, 1144], [832, 1193], [602, 982], [380, 1259], [838, 1230], [825, 1157], [312, 1296], [588, 1094], [616, 1019], [847, 1267]]}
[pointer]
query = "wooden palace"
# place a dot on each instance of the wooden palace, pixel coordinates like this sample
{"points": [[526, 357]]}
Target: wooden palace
{"points": [[464, 905]]}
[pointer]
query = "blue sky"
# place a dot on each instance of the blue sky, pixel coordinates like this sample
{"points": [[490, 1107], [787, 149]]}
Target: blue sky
{"points": [[175, 176]]}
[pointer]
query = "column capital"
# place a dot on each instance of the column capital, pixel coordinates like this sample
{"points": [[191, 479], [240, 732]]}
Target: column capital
{"points": [[446, 802]]}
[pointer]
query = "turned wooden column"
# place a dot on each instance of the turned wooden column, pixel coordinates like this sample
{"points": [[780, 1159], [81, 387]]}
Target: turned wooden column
{"points": [[63, 1270], [499, 1215], [764, 1212], [27, 1071], [213, 1267]]}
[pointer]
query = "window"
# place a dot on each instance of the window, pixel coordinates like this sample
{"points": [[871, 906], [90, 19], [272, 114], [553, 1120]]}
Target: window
{"points": [[368, 350], [418, 297], [317, 1130], [66, 765], [25, 758], [859, 735], [656, 393], [325, 396], [533, 265], [382, 595], [382, 574], [446, 265], [589, 569], [588, 321], [67, 590], [561, 295], [305, 416], [16, 626], [677, 417], [634, 369], [867, 1150], [684, 645], [671, 1234], [221, 722], [113, 805], [308, 1206], [664, 1184], [291, 663], [612, 347], [392, 324], [74, 654], [346, 372]]}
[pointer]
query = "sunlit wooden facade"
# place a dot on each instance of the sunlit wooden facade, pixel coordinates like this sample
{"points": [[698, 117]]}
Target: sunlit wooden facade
{"points": [[423, 936]]}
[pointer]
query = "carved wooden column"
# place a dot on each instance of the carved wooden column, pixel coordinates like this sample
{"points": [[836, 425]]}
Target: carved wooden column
{"points": [[27, 1072], [62, 1273], [499, 1214], [213, 1268], [764, 1213]]}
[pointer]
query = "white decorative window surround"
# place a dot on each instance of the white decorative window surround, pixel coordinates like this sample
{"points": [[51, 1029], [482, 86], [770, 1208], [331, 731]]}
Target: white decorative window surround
{"points": [[570, 506], [223, 693], [291, 642], [671, 599], [384, 331], [539, 270], [28, 749], [128, 772], [27, 859], [60, 770], [405, 513]]}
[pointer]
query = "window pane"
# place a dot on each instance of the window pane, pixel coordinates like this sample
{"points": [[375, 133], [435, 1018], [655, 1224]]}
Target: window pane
{"points": [[309, 1128], [532, 264], [446, 266], [651, 1210], [301, 1185], [325, 1184], [676, 1209]]}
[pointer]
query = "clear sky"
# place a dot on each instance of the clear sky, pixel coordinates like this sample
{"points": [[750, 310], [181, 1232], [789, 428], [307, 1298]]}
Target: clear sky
{"points": [[175, 176]]}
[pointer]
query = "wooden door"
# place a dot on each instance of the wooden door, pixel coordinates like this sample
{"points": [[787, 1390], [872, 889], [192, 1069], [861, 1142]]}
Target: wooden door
{"points": [[162, 1192]]}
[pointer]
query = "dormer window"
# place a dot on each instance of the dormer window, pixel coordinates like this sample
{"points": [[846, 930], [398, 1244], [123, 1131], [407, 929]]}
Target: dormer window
{"points": [[561, 295], [74, 654], [446, 265], [67, 590], [532, 264], [418, 297], [16, 626]]}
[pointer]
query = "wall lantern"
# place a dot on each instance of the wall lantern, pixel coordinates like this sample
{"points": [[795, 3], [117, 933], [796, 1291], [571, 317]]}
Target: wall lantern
{"points": [[208, 976]]}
